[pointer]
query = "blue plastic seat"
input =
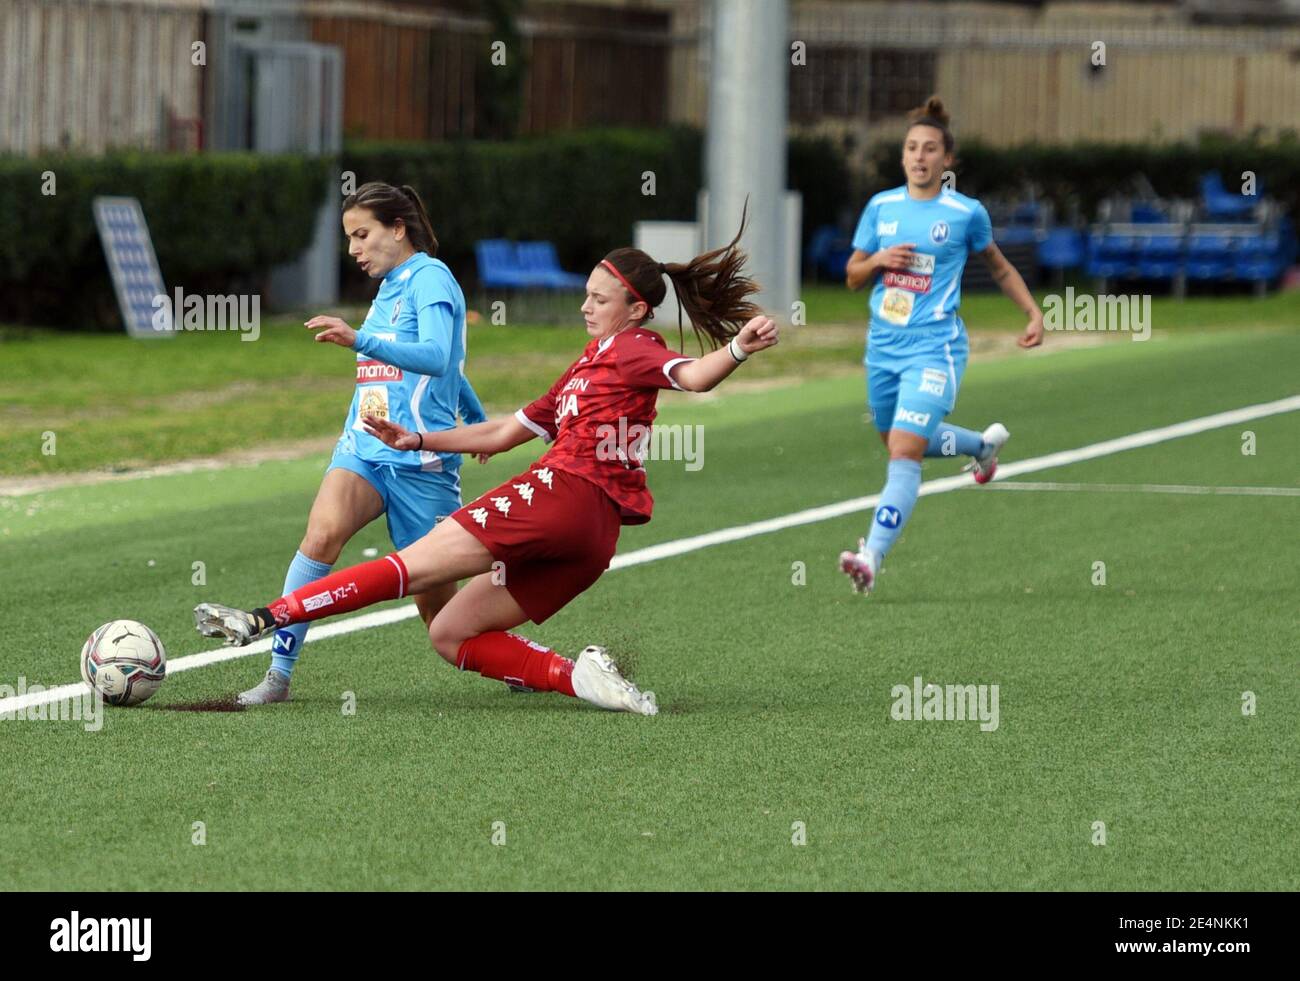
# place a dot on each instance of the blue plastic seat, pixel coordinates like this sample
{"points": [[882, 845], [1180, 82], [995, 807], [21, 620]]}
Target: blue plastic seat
{"points": [[498, 265], [1222, 204], [1062, 249], [540, 260]]}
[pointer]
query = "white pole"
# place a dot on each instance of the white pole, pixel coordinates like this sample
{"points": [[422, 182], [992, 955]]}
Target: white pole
{"points": [[746, 139]]}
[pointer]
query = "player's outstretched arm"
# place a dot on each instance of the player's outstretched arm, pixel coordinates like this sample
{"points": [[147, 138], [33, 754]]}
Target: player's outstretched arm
{"points": [[494, 436], [705, 373]]}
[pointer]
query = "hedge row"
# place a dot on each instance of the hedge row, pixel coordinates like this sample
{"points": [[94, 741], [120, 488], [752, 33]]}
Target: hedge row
{"points": [[218, 220], [583, 190], [1084, 174]]}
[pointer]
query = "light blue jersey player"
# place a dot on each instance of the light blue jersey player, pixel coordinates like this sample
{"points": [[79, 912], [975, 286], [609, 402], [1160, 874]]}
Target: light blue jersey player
{"points": [[410, 361], [913, 241]]}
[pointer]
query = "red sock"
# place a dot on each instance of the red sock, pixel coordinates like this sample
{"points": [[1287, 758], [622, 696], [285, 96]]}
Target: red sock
{"points": [[516, 661], [344, 591]]}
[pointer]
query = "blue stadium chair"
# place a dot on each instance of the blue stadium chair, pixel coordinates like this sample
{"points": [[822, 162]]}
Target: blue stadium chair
{"points": [[1146, 214], [1112, 256], [540, 260], [1160, 257], [828, 252], [1260, 258], [1016, 235], [1223, 205], [498, 265], [1209, 256], [1062, 249]]}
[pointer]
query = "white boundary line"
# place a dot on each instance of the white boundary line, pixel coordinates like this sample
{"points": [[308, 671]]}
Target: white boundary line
{"points": [[681, 546], [1030, 485]]}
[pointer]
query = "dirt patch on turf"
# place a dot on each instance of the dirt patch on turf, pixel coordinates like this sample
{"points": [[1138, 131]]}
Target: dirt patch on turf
{"points": [[292, 450], [227, 704]]}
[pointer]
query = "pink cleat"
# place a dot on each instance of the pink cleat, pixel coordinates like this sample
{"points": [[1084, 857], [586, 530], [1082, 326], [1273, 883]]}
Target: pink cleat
{"points": [[986, 464], [861, 567]]}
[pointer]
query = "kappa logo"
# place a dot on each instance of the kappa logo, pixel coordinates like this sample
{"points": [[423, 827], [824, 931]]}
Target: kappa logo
{"points": [[545, 476], [886, 228], [525, 492], [480, 516], [317, 601], [915, 418], [502, 505], [888, 517], [939, 232], [933, 381]]}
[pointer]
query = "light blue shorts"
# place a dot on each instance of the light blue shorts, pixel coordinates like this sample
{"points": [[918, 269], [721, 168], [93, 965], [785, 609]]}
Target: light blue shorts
{"points": [[414, 499], [914, 387]]}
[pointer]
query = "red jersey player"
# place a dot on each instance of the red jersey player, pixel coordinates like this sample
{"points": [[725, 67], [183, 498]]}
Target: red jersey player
{"points": [[539, 539]]}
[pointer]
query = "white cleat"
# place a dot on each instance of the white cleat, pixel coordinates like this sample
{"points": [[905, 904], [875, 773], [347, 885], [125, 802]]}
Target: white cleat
{"points": [[861, 567], [235, 626], [273, 688], [986, 464], [596, 679]]}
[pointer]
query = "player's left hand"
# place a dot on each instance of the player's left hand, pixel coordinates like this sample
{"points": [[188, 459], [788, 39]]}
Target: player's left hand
{"points": [[482, 457], [757, 335], [335, 331], [1033, 335], [391, 433]]}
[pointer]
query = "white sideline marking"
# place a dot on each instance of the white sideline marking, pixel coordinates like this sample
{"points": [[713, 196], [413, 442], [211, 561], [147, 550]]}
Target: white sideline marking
{"points": [[1030, 485], [681, 546]]}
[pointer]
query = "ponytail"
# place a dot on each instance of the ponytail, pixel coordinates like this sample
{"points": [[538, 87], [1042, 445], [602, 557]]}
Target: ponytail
{"points": [[711, 288]]}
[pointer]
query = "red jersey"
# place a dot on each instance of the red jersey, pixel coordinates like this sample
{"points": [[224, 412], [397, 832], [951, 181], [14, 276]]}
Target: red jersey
{"points": [[599, 415]]}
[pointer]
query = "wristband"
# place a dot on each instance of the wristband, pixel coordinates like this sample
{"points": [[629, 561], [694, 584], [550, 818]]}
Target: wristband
{"points": [[736, 353]]}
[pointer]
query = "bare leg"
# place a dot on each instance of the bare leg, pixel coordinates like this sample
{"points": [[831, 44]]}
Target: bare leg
{"points": [[445, 555], [345, 503], [478, 608]]}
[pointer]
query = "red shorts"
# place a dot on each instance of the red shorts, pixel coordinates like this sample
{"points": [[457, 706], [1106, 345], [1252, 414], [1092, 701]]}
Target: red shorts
{"points": [[554, 531]]}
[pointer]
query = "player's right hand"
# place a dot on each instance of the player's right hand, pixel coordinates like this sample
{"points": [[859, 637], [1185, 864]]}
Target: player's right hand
{"points": [[391, 433], [896, 256]]}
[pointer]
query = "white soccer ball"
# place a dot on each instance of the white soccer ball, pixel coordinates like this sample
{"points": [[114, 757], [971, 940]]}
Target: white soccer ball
{"points": [[125, 661]]}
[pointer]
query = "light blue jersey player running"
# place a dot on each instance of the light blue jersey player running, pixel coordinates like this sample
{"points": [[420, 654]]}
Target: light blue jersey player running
{"points": [[410, 362], [917, 237]]}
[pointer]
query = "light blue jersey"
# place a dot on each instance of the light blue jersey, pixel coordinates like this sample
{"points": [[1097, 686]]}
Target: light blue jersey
{"points": [[916, 343], [410, 363], [917, 307]]}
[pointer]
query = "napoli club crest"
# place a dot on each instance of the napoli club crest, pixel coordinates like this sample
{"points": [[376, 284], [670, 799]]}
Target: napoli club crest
{"points": [[939, 232]]}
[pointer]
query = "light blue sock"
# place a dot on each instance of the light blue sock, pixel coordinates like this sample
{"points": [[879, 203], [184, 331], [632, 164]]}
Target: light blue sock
{"points": [[896, 502], [288, 640], [949, 440]]}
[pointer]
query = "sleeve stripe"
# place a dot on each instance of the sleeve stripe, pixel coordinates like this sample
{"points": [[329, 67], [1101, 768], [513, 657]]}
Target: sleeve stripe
{"points": [[529, 424], [668, 371]]}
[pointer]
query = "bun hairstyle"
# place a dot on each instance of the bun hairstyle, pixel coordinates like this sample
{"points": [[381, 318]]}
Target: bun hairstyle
{"points": [[711, 288], [933, 114], [391, 204]]}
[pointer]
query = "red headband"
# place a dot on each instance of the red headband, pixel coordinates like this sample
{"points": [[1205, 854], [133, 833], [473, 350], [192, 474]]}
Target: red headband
{"points": [[630, 288]]}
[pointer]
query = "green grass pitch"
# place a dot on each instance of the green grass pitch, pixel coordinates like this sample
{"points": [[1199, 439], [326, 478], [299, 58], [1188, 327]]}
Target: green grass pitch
{"points": [[1119, 704]]}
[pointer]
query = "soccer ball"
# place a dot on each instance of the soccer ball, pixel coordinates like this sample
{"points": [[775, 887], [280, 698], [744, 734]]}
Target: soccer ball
{"points": [[125, 661]]}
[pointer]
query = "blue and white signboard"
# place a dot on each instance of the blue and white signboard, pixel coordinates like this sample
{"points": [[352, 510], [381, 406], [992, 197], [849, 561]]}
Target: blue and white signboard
{"points": [[134, 265]]}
